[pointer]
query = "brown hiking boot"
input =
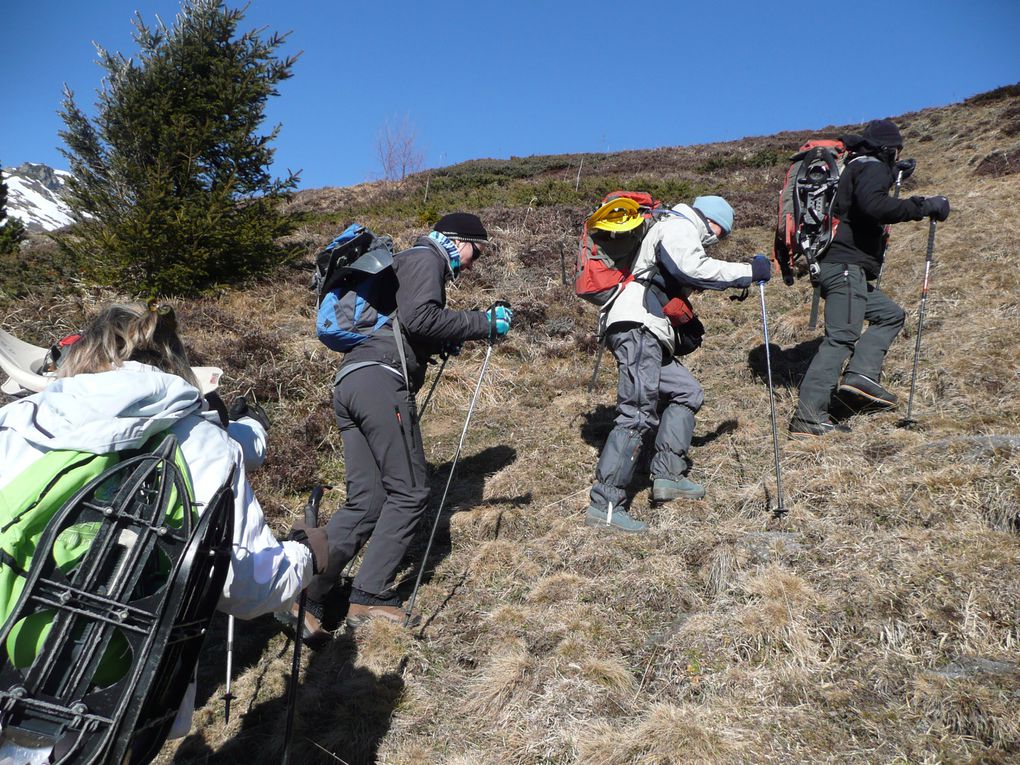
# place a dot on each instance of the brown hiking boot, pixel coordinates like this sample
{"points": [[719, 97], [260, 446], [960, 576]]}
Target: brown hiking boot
{"points": [[358, 614], [312, 632]]}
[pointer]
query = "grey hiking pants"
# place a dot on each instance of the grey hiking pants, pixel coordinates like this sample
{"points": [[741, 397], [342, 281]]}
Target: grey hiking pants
{"points": [[652, 391], [849, 301], [387, 483]]}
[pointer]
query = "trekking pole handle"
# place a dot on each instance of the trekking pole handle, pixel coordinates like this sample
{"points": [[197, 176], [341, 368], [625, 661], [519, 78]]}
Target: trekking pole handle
{"points": [[312, 508], [491, 311]]}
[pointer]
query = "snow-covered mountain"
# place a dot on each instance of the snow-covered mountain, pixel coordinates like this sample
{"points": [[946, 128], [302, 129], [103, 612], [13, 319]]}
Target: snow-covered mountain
{"points": [[35, 195]]}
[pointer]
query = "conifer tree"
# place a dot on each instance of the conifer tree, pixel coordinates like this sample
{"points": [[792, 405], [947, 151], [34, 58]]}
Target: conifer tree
{"points": [[171, 189], [12, 230]]}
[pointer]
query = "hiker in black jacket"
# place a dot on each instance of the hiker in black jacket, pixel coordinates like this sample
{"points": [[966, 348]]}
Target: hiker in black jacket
{"points": [[863, 207], [373, 399]]}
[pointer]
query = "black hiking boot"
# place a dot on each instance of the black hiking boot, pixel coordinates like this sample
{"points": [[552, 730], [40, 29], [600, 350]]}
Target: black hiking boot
{"points": [[864, 392], [801, 428]]}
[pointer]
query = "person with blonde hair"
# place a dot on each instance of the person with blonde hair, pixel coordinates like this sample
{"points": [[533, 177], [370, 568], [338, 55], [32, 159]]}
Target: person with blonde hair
{"points": [[128, 379]]}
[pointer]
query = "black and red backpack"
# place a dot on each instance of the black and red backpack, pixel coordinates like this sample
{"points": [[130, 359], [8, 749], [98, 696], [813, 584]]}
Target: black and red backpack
{"points": [[806, 225]]}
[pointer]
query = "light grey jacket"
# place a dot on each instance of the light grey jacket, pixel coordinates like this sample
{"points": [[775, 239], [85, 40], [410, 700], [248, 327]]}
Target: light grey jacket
{"points": [[675, 247]]}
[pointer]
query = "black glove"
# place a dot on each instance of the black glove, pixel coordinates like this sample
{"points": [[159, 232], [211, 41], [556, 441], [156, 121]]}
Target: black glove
{"points": [[241, 407], [315, 540], [906, 168], [451, 349], [761, 269], [212, 398], [936, 208]]}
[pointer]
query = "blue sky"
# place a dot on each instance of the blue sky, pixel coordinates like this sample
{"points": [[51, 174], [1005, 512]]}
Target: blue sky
{"points": [[485, 79]]}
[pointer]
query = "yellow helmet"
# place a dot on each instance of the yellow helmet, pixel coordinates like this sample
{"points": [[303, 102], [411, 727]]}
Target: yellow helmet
{"points": [[617, 215]]}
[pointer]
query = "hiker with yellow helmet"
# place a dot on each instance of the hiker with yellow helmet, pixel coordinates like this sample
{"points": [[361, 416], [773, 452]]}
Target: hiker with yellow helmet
{"points": [[646, 324]]}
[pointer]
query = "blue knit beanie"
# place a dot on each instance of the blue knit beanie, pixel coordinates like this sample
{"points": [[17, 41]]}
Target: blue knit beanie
{"points": [[716, 209]]}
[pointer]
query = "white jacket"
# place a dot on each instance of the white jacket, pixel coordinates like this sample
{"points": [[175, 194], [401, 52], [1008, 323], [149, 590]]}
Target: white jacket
{"points": [[675, 246], [121, 409]]}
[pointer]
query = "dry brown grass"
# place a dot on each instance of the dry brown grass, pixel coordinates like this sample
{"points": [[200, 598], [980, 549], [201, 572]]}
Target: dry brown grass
{"points": [[878, 622]]}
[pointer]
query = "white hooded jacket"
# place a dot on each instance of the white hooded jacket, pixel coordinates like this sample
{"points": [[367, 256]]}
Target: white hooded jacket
{"points": [[676, 246], [122, 409]]}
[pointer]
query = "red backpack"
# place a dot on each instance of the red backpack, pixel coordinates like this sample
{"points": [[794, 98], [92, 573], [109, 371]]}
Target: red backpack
{"points": [[605, 255]]}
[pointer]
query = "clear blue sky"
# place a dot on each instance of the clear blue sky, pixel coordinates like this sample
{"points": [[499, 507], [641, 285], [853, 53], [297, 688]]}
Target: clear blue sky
{"points": [[486, 79]]}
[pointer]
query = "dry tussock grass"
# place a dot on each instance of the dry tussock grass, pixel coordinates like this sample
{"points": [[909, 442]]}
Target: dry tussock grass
{"points": [[877, 622]]}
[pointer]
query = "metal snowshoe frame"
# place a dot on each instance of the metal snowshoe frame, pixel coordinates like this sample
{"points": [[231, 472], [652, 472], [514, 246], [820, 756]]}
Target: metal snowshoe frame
{"points": [[54, 711], [813, 196]]}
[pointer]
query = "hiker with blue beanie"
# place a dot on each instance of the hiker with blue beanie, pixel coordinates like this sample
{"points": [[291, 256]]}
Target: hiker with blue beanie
{"points": [[647, 325], [386, 472]]}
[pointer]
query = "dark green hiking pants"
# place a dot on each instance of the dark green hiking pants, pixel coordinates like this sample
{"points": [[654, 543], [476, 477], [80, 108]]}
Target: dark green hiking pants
{"points": [[849, 301]]}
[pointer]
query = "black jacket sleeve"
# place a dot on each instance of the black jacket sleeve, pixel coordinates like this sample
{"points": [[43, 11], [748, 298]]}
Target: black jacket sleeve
{"points": [[421, 302], [871, 196]]}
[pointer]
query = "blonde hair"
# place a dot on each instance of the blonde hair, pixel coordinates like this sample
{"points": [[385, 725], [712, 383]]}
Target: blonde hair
{"points": [[135, 332]]}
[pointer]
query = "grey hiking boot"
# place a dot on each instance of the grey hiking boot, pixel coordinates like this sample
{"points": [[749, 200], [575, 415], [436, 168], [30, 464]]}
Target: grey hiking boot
{"points": [[863, 390], [801, 428], [614, 518], [666, 489]]}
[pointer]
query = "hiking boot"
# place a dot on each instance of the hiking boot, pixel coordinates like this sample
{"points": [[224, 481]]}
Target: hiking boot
{"points": [[359, 614], [867, 391], [312, 632], [665, 489], [801, 428], [617, 519]]}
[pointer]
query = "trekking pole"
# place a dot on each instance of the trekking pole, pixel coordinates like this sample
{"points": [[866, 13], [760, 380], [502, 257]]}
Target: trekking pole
{"points": [[432, 389], [909, 420], [449, 478], [311, 520], [595, 372], [885, 244], [780, 508], [228, 696], [816, 297]]}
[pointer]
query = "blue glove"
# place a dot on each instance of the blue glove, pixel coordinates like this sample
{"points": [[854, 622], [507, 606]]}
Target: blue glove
{"points": [[499, 317], [761, 269]]}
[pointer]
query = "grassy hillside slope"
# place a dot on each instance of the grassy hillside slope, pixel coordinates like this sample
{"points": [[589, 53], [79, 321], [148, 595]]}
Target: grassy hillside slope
{"points": [[877, 622]]}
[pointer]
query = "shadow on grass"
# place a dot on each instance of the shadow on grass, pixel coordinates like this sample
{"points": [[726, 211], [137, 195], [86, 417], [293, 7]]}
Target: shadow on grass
{"points": [[466, 493], [789, 365], [343, 712]]}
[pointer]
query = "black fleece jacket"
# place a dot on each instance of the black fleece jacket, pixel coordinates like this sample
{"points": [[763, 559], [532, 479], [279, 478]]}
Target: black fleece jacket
{"points": [[863, 207], [426, 324]]}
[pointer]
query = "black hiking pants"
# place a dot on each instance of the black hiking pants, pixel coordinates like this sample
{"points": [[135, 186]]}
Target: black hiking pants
{"points": [[849, 301], [387, 483], [654, 395]]}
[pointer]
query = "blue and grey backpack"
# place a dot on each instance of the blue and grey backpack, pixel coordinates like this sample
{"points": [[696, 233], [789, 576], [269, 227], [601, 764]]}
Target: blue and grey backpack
{"points": [[355, 287]]}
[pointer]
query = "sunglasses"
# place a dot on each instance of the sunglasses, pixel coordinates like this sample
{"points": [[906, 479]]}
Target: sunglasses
{"points": [[478, 250]]}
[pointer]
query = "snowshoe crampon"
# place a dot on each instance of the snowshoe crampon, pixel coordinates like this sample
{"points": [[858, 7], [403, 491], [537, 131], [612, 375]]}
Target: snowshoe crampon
{"points": [[102, 642]]}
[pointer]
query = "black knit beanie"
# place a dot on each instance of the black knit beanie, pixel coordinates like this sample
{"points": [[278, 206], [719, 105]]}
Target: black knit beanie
{"points": [[463, 226], [880, 133]]}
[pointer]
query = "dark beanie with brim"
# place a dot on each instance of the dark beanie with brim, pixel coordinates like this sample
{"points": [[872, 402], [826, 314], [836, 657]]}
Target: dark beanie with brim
{"points": [[880, 133], [463, 226]]}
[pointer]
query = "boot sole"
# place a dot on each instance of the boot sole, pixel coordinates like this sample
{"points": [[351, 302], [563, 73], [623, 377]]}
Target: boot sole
{"points": [[880, 403], [661, 500], [612, 527], [361, 621]]}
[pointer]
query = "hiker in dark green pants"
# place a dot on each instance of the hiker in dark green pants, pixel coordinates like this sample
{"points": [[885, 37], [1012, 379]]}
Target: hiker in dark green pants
{"points": [[864, 208], [849, 301]]}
